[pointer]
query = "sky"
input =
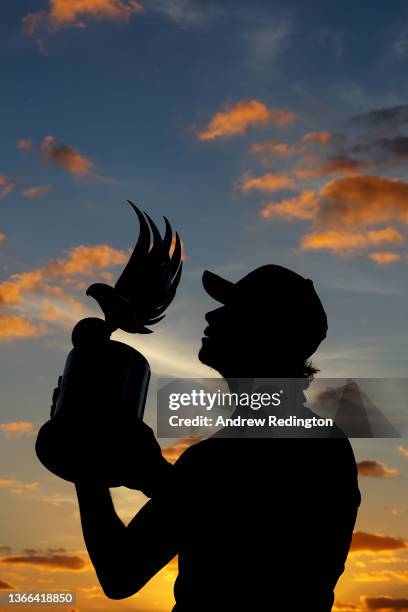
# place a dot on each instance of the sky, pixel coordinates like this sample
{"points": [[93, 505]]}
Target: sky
{"points": [[267, 132]]}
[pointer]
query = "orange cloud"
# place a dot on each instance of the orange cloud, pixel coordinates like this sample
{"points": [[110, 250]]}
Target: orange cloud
{"points": [[384, 258], [85, 260], [82, 260], [335, 165], [35, 192], [172, 453], [15, 326], [353, 203], [376, 469], [347, 243], [15, 429], [268, 183], [2, 237], [385, 604], [50, 562], [6, 186], [6, 586], [298, 208], [64, 155], [235, 120], [272, 149], [382, 576], [374, 542], [71, 13], [358, 201], [404, 451], [17, 486], [317, 138], [24, 144]]}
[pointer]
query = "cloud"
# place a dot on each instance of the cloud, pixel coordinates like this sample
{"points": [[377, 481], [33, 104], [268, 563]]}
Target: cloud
{"points": [[50, 562], [360, 201], [404, 451], [376, 469], [400, 46], [41, 292], [272, 149], [18, 486], [395, 148], [334, 165], [385, 603], [75, 13], [348, 243], [389, 559], [353, 204], [2, 237], [394, 117], [184, 13], [382, 576], [267, 183], [321, 138], [172, 453], [16, 326], [384, 258], [24, 144], [57, 152], [344, 607], [356, 210], [16, 429], [298, 208], [50, 551], [374, 542], [265, 43], [235, 120], [6, 186], [35, 192], [85, 260], [93, 592], [6, 586]]}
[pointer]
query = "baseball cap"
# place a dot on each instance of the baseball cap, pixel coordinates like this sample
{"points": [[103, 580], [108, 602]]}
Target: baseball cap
{"points": [[286, 297]]}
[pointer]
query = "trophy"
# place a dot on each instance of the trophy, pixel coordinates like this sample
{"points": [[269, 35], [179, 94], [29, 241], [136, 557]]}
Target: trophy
{"points": [[105, 380]]}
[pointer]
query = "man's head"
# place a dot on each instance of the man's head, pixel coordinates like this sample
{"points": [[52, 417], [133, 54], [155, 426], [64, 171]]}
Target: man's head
{"points": [[270, 322]]}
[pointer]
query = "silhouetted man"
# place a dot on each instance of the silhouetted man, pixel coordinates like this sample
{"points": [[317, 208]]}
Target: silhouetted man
{"points": [[258, 524]]}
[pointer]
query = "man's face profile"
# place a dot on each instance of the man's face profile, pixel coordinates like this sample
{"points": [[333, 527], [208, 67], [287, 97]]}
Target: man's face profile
{"points": [[232, 336], [219, 337]]}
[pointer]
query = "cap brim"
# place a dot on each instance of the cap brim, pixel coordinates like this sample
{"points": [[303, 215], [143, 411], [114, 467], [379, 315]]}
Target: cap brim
{"points": [[216, 287]]}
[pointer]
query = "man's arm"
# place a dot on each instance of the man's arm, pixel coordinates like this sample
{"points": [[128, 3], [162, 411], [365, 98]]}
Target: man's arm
{"points": [[125, 558]]}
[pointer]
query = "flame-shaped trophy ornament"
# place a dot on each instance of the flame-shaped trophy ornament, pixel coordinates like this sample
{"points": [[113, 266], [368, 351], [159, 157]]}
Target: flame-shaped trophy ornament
{"points": [[104, 380]]}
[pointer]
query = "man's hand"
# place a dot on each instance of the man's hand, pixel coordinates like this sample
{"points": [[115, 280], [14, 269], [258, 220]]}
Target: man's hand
{"points": [[124, 452], [136, 456]]}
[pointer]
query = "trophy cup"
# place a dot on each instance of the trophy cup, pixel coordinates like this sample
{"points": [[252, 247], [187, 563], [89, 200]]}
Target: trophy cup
{"points": [[105, 380]]}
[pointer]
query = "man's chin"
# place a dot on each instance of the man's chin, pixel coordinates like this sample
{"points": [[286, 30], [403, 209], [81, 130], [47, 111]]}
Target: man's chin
{"points": [[206, 354], [203, 355]]}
